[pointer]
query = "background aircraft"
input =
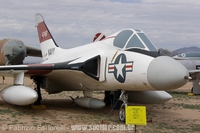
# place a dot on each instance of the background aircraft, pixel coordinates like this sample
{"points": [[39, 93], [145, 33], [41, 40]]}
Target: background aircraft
{"points": [[14, 51], [191, 60], [188, 56], [125, 60]]}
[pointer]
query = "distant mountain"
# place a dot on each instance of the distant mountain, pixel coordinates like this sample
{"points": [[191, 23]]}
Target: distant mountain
{"points": [[186, 49], [179, 51]]}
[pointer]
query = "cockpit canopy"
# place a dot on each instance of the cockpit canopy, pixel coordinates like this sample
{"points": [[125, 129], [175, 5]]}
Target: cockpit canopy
{"points": [[133, 38]]}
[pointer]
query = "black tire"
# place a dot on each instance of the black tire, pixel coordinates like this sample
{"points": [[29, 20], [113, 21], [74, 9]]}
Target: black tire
{"points": [[122, 113]]}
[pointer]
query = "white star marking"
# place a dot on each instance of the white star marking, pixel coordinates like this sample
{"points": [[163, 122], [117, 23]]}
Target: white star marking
{"points": [[119, 68]]}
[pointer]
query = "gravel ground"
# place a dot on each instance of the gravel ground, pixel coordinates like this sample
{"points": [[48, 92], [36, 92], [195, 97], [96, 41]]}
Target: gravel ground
{"points": [[181, 115]]}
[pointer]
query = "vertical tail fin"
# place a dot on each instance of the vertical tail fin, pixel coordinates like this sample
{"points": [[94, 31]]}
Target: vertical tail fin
{"points": [[98, 37], [47, 43]]}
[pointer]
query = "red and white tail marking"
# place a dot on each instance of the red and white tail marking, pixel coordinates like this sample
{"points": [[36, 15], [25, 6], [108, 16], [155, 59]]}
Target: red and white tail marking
{"points": [[47, 43], [99, 37], [43, 32]]}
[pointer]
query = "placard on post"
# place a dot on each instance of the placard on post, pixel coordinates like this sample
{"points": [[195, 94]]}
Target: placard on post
{"points": [[136, 115]]}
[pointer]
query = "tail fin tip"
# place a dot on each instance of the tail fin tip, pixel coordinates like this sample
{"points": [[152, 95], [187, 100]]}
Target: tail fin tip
{"points": [[38, 18]]}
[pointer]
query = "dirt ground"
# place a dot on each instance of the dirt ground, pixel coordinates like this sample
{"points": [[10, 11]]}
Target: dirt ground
{"points": [[181, 115]]}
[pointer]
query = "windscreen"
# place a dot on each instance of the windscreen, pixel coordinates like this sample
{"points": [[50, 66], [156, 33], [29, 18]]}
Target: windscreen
{"points": [[147, 42], [122, 37]]}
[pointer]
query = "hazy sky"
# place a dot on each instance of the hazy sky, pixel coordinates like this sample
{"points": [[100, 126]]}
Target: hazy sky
{"points": [[169, 24]]}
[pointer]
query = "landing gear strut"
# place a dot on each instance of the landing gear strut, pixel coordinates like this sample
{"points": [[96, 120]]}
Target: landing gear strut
{"points": [[122, 113], [112, 98], [37, 80], [107, 99], [196, 86]]}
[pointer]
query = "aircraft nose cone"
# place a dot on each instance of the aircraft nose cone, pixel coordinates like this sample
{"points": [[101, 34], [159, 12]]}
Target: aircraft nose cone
{"points": [[18, 54], [165, 73]]}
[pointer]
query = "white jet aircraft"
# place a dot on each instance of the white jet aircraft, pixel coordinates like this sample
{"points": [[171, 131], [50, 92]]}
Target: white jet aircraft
{"points": [[125, 60]]}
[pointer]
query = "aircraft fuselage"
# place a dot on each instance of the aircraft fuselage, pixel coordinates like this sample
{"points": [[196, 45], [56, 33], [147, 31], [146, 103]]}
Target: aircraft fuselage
{"points": [[116, 69]]}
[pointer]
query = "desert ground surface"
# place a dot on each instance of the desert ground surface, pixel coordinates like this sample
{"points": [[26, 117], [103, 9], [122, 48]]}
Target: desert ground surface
{"points": [[179, 115]]}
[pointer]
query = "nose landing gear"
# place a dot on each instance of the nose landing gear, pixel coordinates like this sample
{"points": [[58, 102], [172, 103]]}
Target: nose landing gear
{"points": [[122, 112]]}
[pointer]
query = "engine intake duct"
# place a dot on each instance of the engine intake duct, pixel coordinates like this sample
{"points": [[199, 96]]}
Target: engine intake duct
{"points": [[91, 67]]}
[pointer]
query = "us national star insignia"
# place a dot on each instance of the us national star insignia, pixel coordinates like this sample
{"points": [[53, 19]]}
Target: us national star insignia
{"points": [[120, 67]]}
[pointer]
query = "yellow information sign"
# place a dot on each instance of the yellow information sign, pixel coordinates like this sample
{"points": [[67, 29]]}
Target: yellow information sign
{"points": [[136, 115]]}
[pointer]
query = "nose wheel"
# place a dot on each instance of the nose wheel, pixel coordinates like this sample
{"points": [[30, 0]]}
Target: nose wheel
{"points": [[122, 110], [122, 113]]}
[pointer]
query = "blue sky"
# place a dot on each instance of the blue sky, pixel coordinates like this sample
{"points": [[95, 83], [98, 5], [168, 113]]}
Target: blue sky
{"points": [[168, 24]]}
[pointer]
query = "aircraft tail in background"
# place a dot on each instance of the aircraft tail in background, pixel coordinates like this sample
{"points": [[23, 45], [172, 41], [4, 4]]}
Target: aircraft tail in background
{"points": [[98, 37]]}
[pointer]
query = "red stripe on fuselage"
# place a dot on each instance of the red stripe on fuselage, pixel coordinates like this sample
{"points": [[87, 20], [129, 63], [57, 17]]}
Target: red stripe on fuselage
{"points": [[111, 67], [129, 66], [41, 70], [109, 37], [38, 72]]}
